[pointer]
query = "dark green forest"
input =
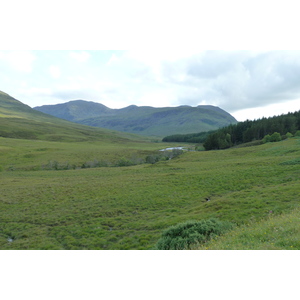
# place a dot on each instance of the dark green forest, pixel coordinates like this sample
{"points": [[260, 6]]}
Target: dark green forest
{"points": [[256, 131], [265, 130], [199, 137]]}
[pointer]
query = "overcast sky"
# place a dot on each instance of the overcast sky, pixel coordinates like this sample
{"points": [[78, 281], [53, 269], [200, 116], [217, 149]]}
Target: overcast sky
{"points": [[247, 84], [169, 64]]}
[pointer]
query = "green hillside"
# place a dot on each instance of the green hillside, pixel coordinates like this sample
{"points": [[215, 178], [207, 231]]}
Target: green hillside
{"points": [[18, 120], [143, 120], [75, 110]]}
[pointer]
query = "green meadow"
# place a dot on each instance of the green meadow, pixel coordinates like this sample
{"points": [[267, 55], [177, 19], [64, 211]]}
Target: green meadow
{"points": [[101, 194]]}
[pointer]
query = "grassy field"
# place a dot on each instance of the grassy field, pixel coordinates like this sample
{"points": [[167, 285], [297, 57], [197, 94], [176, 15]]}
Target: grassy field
{"points": [[128, 207], [281, 232]]}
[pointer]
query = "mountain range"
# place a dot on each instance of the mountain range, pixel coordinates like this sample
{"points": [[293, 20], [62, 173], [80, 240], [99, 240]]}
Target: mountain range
{"points": [[143, 120], [18, 120]]}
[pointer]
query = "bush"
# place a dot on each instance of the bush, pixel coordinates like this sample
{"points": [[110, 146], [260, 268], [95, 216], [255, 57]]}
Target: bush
{"points": [[275, 137], [152, 159], [267, 139], [124, 162], [185, 235]]}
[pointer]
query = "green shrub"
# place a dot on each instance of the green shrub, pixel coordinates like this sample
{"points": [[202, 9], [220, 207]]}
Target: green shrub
{"points": [[297, 133], [124, 162], [267, 139], [185, 235], [289, 135], [152, 159], [275, 137]]}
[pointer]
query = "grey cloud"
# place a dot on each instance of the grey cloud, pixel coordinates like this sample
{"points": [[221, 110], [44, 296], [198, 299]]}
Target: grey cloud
{"points": [[233, 80], [241, 79]]}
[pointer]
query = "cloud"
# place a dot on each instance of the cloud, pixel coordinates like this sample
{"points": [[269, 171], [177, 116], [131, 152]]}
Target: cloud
{"points": [[233, 80], [268, 111], [80, 56], [21, 61], [236, 80], [113, 59], [55, 71]]}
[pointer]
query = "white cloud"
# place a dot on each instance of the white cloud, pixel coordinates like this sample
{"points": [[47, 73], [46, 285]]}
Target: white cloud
{"points": [[34, 91], [268, 110], [236, 81], [21, 61], [158, 98], [80, 56], [55, 71], [113, 59]]}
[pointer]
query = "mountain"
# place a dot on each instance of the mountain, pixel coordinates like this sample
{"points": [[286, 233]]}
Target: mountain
{"points": [[18, 120], [144, 120], [75, 110]]}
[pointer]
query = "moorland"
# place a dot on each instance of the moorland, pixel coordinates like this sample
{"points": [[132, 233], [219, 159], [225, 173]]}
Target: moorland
{"points": [[68, 186]]}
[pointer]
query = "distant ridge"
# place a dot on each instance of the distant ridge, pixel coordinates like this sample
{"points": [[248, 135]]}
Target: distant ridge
{"points": [[143, 120], [18, 120]]}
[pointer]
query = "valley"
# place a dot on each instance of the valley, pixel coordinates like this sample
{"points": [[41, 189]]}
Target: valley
{"points": [[65, 186], [128, 207]]}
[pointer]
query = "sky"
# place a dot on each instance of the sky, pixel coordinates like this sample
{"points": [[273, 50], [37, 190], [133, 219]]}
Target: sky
{"points": [[243, 57], [247, 84]]}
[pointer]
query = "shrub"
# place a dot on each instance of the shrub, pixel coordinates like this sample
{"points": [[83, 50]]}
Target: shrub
{"points": [[267, 139], [275, 137], [185, 235], [124, 162], [289, 135], [152, 159], [297, 133]]}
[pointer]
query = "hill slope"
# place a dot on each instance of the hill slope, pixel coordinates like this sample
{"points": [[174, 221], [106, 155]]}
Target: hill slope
{"points": [[143, 120], [18, 120]]}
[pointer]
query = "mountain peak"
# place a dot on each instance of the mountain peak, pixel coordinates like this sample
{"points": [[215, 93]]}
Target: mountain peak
{"points": [[143, 120]]}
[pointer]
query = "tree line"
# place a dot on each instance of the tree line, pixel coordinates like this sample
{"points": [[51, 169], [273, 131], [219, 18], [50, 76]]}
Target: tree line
{"points": [[266, 129], [188, 138]]}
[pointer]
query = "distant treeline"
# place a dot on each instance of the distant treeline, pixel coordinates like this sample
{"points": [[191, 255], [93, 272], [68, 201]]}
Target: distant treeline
{"points": [[249, 131], [188, 138]]}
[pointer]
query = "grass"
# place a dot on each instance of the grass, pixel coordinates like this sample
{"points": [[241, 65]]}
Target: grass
{"points": [[274, 233], [129, 207], [18, 154]]}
